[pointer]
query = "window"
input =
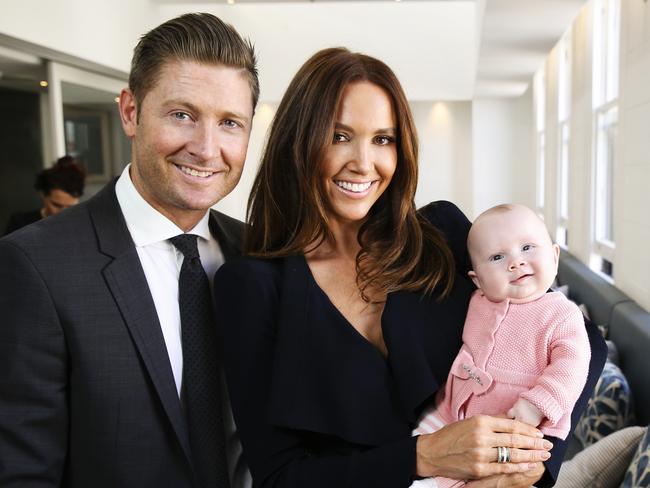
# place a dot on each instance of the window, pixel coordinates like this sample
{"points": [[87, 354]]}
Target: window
{"points": [[562, 233], [539, 88], [605, 112], [87, 139], [564, 111]]}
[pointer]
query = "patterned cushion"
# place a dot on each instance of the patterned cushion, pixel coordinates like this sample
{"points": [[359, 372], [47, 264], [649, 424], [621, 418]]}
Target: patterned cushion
{"points": [[609, 408], [638, 473], [604, 463]]}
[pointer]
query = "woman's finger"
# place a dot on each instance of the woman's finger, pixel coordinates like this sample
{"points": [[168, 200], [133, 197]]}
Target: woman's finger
{"points": [[511, 426], [519, 441], [516, 456]]}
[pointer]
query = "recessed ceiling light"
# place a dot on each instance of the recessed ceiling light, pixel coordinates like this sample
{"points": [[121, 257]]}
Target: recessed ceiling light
{"points": [[43, 83], [231, 2]]}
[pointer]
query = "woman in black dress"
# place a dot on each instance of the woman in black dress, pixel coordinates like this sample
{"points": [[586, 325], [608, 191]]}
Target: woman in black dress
{"points": [[340, 328]]}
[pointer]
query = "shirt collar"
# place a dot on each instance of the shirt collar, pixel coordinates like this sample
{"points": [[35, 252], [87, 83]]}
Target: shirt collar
{"points": [[146, 225]]}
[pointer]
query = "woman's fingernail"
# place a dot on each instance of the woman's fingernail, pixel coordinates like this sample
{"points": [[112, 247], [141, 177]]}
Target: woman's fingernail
{"points": [[546, 455], [531, 466], [539, 434], [547, 445]]}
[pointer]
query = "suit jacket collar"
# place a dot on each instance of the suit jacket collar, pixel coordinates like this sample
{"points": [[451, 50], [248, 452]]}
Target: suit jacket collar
{"points": [[127, 282]]}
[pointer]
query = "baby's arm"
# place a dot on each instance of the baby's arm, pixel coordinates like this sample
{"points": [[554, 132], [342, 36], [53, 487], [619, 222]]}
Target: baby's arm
{"points": [[526, 412], [562, 380]]}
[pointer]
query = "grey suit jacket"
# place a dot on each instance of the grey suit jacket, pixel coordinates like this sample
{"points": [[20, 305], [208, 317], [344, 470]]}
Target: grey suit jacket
{"points": [[87, 395]]}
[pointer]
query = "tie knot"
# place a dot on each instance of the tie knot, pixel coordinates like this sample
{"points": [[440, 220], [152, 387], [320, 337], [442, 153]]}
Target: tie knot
{"points": [[186, 243]]}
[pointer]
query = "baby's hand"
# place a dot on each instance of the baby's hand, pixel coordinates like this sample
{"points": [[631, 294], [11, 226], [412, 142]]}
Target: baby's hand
{"points": [[526, 412]]}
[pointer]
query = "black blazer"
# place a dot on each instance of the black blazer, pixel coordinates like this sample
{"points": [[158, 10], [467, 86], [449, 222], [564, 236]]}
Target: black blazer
{"points": [[315, 403], [87, 395]]}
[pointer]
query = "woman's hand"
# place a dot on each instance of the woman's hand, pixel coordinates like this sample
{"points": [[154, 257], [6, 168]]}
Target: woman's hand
{"points": [[468, 449], [516, 480]]}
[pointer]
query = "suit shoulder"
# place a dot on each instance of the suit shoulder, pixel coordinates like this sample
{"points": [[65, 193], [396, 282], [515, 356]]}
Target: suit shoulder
{"points": [[56, 232]]}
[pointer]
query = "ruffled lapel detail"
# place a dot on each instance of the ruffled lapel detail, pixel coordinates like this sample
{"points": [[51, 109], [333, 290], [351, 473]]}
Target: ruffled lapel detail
{"points": [[330, 380], [326, 377]]}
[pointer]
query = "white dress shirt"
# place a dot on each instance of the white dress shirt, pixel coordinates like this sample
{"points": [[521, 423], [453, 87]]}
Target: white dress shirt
{"points": [[161, 263]]}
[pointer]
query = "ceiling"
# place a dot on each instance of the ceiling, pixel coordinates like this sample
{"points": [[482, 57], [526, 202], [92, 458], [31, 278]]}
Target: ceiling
{"points": [[440, 49]]}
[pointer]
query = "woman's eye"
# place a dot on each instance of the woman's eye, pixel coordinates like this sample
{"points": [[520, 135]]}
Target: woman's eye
{"points": [[383, 140], [338, 137]]}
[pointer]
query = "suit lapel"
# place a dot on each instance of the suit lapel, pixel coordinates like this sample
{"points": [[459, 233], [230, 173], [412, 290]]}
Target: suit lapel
{"points": [[127, 282]]}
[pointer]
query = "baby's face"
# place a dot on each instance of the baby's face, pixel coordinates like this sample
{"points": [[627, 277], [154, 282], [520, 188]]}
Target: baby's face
{"points": [[512, 255]]}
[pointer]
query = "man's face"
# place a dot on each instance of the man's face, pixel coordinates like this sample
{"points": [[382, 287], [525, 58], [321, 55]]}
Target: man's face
{"points": [[189, 138]]}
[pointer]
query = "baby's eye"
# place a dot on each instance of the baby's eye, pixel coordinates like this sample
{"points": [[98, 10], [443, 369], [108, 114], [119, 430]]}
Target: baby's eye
{"points": [[527, 247], [496, 257]]}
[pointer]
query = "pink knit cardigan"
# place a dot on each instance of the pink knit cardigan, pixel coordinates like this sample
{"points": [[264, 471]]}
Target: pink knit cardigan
{"points": [[537, 350]]}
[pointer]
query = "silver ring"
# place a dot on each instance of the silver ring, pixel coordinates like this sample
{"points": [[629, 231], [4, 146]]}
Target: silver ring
{"points": [[503, 454]]}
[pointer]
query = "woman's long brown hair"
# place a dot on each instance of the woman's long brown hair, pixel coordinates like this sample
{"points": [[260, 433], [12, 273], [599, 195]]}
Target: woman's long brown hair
{"points": [[287, 208]]}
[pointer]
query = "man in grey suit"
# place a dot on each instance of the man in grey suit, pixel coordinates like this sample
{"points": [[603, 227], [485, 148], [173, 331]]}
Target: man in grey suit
{"points": [[92, 351]]}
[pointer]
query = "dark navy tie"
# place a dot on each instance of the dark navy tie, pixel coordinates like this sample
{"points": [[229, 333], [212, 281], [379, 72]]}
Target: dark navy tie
{"points": [[201, 379]]}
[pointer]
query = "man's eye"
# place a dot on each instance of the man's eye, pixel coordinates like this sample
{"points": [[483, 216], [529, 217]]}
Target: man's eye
{"points": [[231, 124], [181, 116]]}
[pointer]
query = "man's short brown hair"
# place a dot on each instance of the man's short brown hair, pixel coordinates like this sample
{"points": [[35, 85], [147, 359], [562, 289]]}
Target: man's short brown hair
{"points": [[199, 37]]}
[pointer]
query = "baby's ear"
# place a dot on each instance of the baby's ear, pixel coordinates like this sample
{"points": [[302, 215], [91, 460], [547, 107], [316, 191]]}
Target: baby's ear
{"points": [[474, 278]]}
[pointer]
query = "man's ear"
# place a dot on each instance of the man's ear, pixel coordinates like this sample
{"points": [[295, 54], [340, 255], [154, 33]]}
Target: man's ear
{"points": [[474, 278], [128, 112]]}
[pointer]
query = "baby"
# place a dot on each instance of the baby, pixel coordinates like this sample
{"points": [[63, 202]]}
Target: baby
{"points": [[525, 352]]}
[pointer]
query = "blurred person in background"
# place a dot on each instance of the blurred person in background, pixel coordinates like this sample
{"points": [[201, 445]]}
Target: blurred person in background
{"points": [[60, 187]]}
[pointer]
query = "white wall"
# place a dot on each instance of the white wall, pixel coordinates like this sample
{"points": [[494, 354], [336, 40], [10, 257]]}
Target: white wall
{"points": [[445, 169], [632, 190], [103, 31], [504, 157], [580, 143]]}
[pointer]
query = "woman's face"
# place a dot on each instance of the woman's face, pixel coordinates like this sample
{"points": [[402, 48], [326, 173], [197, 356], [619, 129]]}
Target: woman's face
{"points": [[361, 160]]}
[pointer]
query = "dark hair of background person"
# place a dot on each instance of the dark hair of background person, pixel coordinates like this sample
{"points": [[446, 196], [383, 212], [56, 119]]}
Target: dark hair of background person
{"points": [[64, 175], [198, 37], [286, 208]]}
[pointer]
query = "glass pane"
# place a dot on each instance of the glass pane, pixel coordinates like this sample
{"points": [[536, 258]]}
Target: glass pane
{"points": [[541, 171], [83, 141], [564, 174], [606, 143]]}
